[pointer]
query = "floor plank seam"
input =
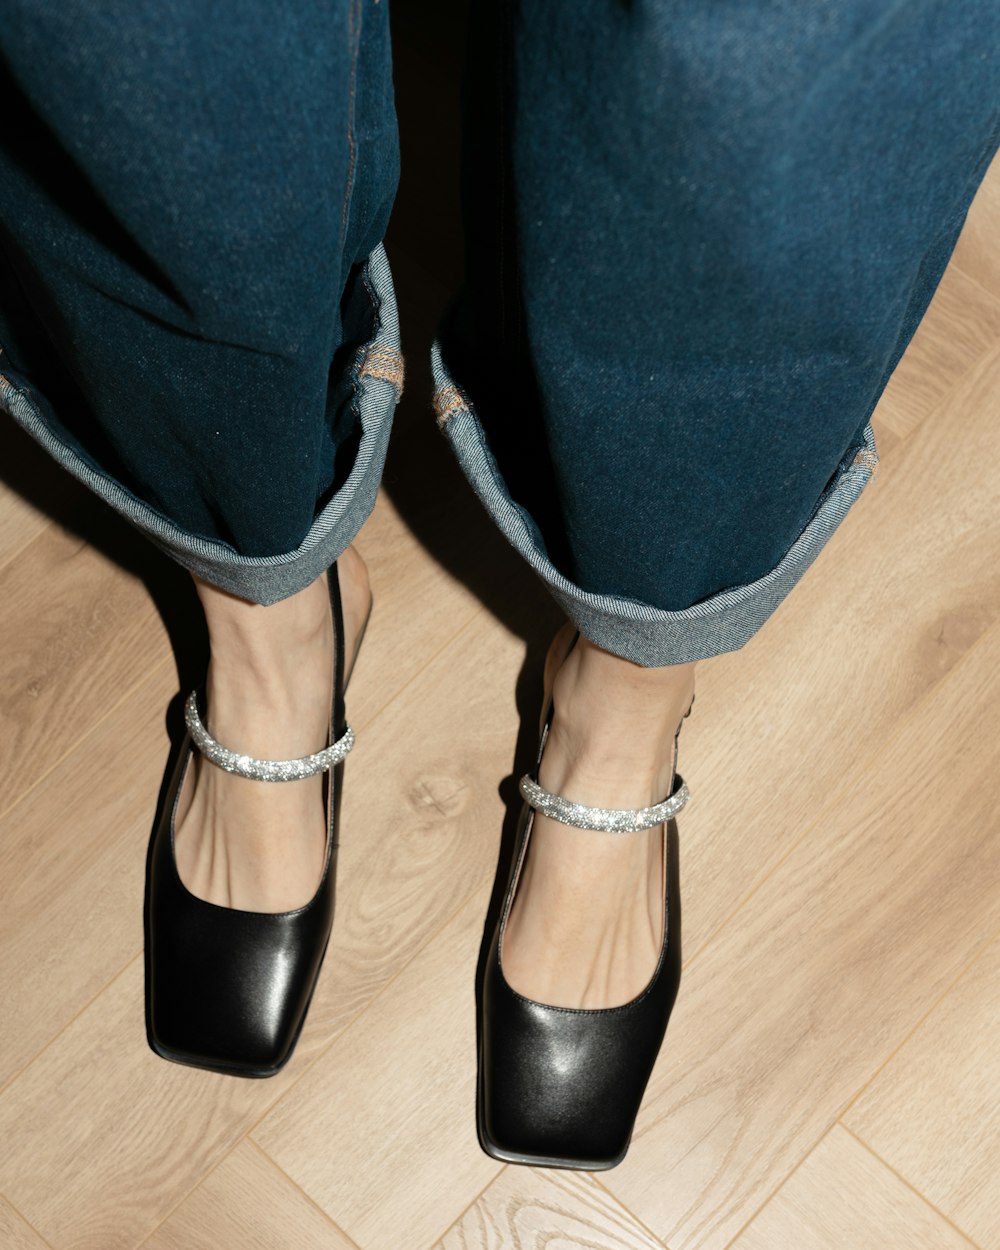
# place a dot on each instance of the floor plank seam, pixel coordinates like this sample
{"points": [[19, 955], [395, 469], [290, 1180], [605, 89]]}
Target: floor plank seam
{"points": [[986, 360], [971, 277], [962, 973], [912, 1188], [468, 1207], [860, 771], [187, 1194], [5, 1086], [44, 1240], [598, 1180], [305, 1194], [970, 369], [10, 557], [780, 1185], [148, 676], [370, 720]]}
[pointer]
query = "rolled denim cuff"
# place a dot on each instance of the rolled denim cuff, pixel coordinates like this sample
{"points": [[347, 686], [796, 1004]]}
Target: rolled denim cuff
{"points": [[377, 369], [634, 630]]}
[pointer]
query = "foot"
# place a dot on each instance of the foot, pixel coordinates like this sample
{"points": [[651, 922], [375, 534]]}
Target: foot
{"points": [[586, 925], [257, 845]]}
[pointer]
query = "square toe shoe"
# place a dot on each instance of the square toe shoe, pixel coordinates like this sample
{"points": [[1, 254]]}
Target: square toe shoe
{"points": [[228, 989], [561, 1086]]}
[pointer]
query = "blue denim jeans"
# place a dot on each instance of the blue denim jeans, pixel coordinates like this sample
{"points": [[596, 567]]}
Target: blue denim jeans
{"points": [[699, 238]]}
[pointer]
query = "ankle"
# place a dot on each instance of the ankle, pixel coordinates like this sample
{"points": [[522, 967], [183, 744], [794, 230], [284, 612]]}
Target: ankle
{"points": [[254, 631], [613, 726]]}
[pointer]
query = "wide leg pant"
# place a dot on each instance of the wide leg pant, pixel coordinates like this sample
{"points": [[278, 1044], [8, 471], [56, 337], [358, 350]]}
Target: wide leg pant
{"points": [[700, 236]]}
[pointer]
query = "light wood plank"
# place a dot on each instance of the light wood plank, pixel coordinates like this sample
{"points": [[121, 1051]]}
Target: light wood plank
{"points": [[100, 1138], [960, 328], [886, 437], [842, 1198], [907, 585], [72, 862], [933, 1112], [420, 605], [976, 253], [15, 1234], [247, 1203], [826, 968], [78, 633], [393, 1102], [525, 1208]]}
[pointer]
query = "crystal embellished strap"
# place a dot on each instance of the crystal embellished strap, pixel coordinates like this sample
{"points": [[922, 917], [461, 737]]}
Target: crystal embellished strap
{"points": [[262, 770], [604, 819]]}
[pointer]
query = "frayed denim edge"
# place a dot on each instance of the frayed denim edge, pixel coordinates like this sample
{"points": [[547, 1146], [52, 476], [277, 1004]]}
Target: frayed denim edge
{"points": [[261, 579], [637, 631]]}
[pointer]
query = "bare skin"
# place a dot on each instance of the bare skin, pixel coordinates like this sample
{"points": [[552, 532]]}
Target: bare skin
{"points": [[255, 845], [586, 926]]}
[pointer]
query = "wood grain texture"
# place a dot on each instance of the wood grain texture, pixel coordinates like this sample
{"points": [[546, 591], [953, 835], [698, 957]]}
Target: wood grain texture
{"points": [[842, 1198], [961, 326], [400, 639], [72, 866], [15, 1234], [247, 1203], [826, 968], [907, 585], [527, 1209], [393, 1102], [933, 1112], [100, 1139], [976, 253], [78, 634], [886, 437]]}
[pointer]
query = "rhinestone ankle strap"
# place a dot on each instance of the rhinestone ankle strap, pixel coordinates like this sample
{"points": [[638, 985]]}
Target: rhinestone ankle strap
{"points": [[262, 770], [604, 819]]}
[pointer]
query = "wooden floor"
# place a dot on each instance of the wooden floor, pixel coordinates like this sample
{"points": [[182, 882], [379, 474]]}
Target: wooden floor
{"points": [[831, 1076]]}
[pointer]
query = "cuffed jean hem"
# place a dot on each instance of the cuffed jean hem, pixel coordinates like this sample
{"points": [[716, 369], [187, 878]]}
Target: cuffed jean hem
{"points": [[378, 372], [628, 628]]}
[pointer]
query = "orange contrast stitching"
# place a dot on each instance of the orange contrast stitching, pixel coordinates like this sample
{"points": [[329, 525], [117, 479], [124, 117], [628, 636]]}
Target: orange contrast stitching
{"points": [[867, 460], [384, 362], [448, 401]]}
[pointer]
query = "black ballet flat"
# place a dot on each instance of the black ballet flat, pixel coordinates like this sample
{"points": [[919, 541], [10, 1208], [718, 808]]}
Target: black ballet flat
{"points": [[560, 1086], [229, 990]]}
